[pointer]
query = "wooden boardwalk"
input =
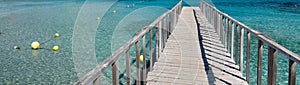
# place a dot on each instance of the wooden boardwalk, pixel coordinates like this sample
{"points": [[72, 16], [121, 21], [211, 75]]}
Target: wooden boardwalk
{"points": [[194, 55], [199, 51]]}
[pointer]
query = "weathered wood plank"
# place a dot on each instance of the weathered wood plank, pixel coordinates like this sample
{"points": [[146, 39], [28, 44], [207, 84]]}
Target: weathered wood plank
{"points": [[292, 72], [128, 67], [272, 65], [259, 62], [137, 54], [248, 57], [115, 73]]}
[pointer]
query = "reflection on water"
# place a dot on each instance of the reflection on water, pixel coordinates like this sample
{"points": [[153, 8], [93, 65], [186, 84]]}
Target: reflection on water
{"points": [[35, 53]]}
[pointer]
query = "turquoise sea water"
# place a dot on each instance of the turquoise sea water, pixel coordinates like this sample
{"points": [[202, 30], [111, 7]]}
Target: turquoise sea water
{"points": [[25, 21]]}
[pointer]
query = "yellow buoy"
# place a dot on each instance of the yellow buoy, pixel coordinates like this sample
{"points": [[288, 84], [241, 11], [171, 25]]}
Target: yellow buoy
{"points": [[56, 35], [17, 47], [55, 48], [141, 58], [35, 45]]}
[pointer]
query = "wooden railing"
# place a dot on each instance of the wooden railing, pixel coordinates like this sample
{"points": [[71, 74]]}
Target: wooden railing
{"points": [[226, 27], [163, 27]]}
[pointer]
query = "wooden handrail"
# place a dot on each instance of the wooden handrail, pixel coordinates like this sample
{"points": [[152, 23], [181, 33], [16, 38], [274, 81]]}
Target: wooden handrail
{"points": [[92, 77], [264, 38], [209, 10]]}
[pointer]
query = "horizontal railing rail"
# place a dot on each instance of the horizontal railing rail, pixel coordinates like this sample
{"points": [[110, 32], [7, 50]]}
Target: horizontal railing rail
{"points": [[231, 33], [163, 27]]}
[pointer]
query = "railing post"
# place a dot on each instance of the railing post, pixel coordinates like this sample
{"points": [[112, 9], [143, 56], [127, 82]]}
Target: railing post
{"points": [[168, 25], [137, 53], [157, 44], [128, 66], [259, 62], [165, 31], [201, 5], [150, 49], [160, 37], [172, 22], [237, 45], [232, 40], [224, 27], [215, 22], [248, 57], [144, 59], [272, 65], [222, 31], [206, 12], [115, 74], [228, 36], [212, 14], [241, 49], [217, 18], [292, 72], [175, 16], [210, 17]]}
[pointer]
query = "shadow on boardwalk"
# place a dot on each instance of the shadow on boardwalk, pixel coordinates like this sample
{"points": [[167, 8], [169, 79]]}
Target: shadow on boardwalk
{"points": [[219, 67], [209, 73]]}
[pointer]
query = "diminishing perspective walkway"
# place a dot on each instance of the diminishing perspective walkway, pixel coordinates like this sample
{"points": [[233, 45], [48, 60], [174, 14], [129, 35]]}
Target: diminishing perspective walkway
{"points": [[194, 55]]}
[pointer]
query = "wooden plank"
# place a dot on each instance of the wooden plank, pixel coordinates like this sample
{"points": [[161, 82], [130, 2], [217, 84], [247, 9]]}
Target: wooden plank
{"points": [[248, 57], [160, 39], [232, 40], [115, 74], [237, 45], [137, 57], [228, 36], [272, 65], [156, 44], [144, 60], [162, 34], [215, 18], [222, 29], [128, 79], [292, 72], [150, 49], [259, 62], [241, 49]]}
